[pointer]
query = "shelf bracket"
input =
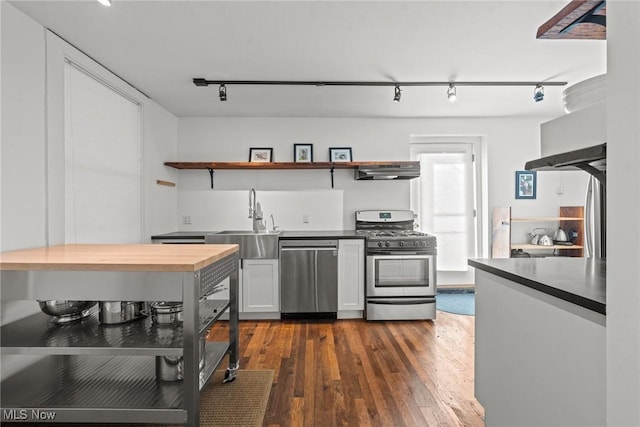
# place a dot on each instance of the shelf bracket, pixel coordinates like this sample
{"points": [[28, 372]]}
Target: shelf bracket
{"points": [[211, 175], [331, 171]]}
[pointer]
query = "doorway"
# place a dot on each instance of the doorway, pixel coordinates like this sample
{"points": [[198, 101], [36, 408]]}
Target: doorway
{"points": [[446, 201]]}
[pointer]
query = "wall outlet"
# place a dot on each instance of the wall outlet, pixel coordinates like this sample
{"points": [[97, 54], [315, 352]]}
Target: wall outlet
{"points": [[186, 219], [305, 219]]}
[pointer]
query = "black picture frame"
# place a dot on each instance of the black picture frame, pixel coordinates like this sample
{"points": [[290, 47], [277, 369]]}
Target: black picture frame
{"points": [[340, 154], [260, 155], [526, 185], [303, 153]]}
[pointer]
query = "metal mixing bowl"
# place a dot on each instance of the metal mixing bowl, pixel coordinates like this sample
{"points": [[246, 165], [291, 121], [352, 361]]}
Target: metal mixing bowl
{"points": [[63, 311]]}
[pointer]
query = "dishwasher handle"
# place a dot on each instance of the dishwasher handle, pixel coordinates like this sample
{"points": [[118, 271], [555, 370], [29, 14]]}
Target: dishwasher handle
{"points": [[309, 244]]}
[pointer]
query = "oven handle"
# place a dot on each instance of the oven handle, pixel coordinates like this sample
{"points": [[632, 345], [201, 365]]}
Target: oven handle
{"points": [[396, 255], [403, 301]]}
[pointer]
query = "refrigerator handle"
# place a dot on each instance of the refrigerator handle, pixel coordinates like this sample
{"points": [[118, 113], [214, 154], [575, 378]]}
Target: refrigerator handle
{"points": [[589, 219], [315, 282]]}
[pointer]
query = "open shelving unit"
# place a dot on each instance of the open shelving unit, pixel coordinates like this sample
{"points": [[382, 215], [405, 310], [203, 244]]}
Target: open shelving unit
{"points": [[331, 166], [569, 218]]}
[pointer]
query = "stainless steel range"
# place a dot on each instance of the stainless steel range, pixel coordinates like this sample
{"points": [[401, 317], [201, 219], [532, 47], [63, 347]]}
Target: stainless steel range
{"points": [[401, 266]]}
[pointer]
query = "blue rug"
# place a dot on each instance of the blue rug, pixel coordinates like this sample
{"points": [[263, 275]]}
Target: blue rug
{"points": [[457, 301]]}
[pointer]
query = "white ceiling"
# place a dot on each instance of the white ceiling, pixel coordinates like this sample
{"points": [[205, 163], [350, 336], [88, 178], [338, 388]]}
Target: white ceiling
{"points": [[160, 46]]}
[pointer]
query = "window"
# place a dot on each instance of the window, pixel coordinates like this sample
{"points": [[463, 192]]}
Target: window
{"points": [[102, 162]]}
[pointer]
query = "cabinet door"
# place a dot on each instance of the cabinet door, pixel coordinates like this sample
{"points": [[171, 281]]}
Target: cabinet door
{"points": [[351, 274], [260, 285]]}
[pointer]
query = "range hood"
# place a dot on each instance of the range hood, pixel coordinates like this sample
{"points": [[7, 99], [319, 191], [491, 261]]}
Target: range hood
{"points": [[387, 171], [592, 160]]}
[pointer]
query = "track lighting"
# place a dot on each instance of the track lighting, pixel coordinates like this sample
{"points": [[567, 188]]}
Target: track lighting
{"points": [[398, 94], [538, 93], [222, 92], [451, 92], [105, 2]]}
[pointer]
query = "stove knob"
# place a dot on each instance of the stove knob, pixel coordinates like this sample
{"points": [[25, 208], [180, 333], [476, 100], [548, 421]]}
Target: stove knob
{"points": [[379, 244], [424, 243], [386, 244], [416, 243], [401, 243]]}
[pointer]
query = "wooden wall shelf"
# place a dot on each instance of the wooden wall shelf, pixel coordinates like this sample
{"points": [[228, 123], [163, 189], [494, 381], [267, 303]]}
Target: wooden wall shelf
{"points": [[580, 19], [331, 166], [279, 165]]}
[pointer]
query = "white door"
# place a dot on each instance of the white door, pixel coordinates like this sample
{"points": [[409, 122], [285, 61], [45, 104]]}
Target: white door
{"points": [[445, 202]]}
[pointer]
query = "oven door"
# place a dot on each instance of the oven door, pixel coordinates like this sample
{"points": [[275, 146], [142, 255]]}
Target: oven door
{"points": [[401, 275]]}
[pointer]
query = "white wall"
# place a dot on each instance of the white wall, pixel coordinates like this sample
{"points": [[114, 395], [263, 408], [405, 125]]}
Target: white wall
{"points": [[160, 138], [27, 126], [623, 198], [23, 132], [509, 144]]}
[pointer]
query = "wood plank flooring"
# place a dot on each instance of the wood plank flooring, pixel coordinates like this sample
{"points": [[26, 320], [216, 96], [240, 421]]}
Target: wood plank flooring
{"points": [[359, 373]]}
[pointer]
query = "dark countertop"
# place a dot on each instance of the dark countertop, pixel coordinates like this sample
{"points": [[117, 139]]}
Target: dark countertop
{"points": [[329, 234], [183, 235], [581, 281]]}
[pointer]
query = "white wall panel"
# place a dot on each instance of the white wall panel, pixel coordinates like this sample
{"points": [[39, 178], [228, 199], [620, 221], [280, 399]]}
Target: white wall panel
{"points": [[229, 210]]}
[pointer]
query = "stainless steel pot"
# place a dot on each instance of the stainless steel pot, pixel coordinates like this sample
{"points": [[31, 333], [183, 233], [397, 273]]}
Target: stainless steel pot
{"points": [[116, 312], [171, 368], [62, 311], [166, 312]]}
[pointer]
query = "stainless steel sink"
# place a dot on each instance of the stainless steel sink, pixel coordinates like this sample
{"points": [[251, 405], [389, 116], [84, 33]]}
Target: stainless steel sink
{"points": [[263, 244]]}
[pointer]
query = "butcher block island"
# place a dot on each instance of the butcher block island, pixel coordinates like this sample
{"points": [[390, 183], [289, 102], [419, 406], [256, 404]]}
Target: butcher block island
{"points": [[85, 370]]}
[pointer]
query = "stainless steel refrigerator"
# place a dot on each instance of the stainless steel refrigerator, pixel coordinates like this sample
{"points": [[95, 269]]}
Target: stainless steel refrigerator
{"points": [[592, 160]]}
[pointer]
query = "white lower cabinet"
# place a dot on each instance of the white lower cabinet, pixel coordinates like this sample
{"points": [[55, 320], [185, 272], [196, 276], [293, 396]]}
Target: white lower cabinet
{"points": [[260, 286], [351, 260]]}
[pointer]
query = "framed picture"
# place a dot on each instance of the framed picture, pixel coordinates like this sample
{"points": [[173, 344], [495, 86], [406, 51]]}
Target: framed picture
{"points": [[303, 153], [260, 154], [340, 154], [526, 184]]}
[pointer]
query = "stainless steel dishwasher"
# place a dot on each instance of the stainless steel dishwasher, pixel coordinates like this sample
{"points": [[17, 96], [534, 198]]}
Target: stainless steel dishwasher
{"points": [[308, 279]]}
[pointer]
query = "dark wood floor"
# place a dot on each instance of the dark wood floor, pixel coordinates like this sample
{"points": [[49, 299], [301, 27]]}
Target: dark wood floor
{"points": [[358, 373]]}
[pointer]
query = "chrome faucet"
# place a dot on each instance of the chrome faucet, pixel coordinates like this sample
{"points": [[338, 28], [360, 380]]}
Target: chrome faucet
{"points": [[255, 213], [252, 202]]}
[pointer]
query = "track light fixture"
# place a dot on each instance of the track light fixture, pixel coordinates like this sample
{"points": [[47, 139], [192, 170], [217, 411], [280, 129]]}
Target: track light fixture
{"points": [[452, 93], [398, 94], [538, 93], [222, 92]]}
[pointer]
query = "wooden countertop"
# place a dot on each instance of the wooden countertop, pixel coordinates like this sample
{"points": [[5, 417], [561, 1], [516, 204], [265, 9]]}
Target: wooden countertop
{"points": [[116, 257]]}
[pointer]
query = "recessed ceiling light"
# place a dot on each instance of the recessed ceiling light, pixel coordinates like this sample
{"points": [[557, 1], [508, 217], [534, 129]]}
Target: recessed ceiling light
{"points": [[105, 2]]}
